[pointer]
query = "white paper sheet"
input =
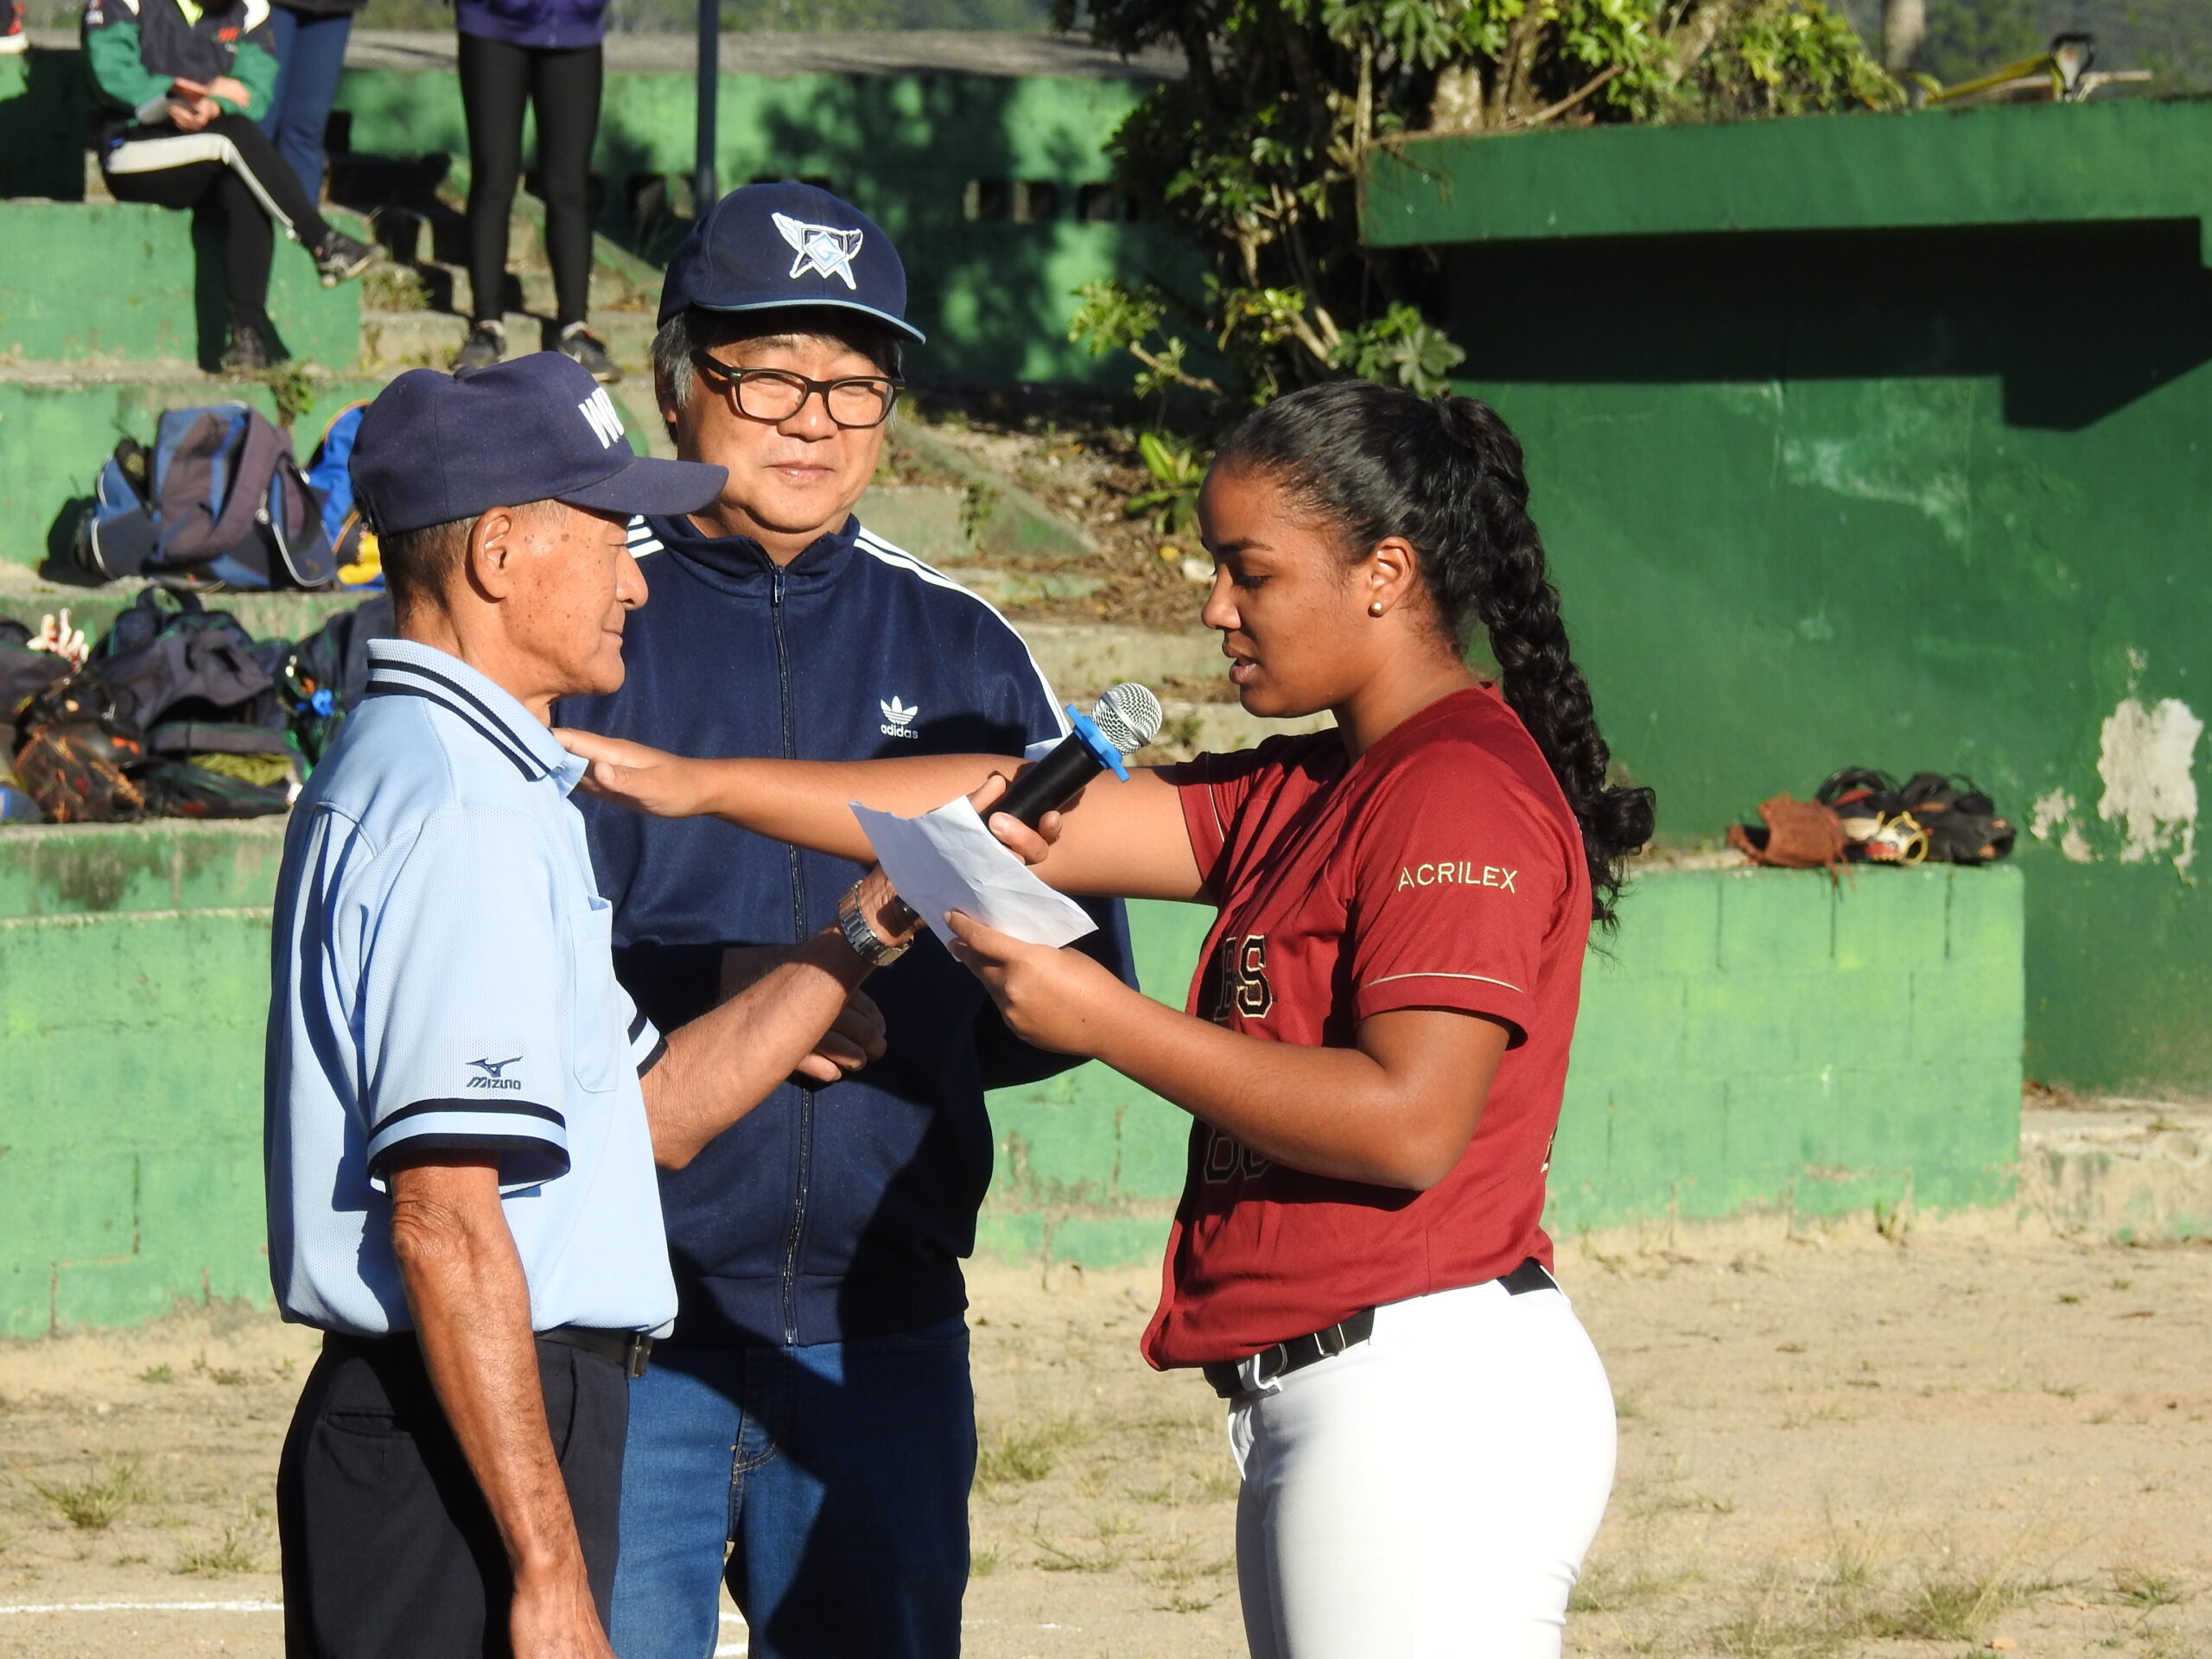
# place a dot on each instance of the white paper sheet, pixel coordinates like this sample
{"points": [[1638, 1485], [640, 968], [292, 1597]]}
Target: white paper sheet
{"points": [[946, 860]]}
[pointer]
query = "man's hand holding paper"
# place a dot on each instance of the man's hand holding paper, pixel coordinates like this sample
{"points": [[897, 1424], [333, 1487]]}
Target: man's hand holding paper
{"points": [[947, 860]]}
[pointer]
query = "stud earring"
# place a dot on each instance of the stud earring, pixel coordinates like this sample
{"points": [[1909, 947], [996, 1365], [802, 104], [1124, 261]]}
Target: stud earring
{"points": [[1375, 609]]}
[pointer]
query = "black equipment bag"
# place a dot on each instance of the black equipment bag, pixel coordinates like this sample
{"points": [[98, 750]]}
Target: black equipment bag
{"points": [[171, 680], [328, 673]]}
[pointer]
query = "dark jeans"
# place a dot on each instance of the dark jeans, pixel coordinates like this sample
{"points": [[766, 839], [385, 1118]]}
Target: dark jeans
{"points": [[310, 56], [563, 88], [389, 1546], [229, 170], [835, 1476]]}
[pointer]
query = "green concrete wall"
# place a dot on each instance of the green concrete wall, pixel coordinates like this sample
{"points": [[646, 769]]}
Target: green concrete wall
{"points": [[107, 312], [56, 430], [1917, 475], [134, 981], [994, 297], [1755, 1039], [114, 283], [1750, 1041]]}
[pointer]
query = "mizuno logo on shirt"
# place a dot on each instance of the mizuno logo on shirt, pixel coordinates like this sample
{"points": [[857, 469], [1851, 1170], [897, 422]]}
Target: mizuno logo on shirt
{"points": [[1460, 876], [494, 1076]]}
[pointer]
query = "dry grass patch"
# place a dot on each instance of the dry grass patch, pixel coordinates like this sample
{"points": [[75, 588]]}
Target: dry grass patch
{"points": [[1024, 1453], [2139, 1587], [1855, 1599], [233, 1552], [94, 1503]]}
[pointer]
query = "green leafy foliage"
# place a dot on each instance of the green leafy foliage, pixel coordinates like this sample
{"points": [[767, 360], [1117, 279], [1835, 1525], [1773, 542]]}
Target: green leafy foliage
{"points": [[1401, 348], [1967, 38], [681, 16], [1258, 151], [1784, 59], [1172, 502]]}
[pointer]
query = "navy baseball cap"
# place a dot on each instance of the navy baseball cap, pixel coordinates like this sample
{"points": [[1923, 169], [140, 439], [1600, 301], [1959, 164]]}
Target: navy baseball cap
{"points": [[771, 245], [435, 448]]}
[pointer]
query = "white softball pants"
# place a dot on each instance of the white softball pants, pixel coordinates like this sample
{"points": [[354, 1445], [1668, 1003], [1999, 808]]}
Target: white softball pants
{"points": [[1430, 1492]]}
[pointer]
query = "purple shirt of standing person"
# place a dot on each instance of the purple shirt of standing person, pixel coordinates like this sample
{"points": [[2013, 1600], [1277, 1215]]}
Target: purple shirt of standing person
{"points": [[557, 25]]}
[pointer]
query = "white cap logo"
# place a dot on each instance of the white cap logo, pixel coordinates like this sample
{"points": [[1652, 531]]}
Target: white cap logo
{"points": [[821, 249], [598, 410]]}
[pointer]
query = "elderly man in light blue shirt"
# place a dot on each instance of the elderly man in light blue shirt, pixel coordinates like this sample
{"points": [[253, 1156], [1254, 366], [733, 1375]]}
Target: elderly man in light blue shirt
{"points": [[464, 1109]]}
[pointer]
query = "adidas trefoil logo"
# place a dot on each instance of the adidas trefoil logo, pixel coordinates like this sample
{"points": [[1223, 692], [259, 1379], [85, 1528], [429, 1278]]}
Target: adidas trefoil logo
{"points": [[899, 719]]}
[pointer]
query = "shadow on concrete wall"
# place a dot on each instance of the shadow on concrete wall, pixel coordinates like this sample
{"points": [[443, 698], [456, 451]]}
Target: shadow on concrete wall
{"points": [[42, 130], [2076, 320]]}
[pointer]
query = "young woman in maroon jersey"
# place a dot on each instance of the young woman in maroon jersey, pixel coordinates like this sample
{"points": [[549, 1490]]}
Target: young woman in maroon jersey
{"points": [[1377, 1037]]}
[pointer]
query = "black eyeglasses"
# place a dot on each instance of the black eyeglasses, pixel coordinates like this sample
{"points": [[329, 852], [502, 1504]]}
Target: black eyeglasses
{"points": [[857, 401]]}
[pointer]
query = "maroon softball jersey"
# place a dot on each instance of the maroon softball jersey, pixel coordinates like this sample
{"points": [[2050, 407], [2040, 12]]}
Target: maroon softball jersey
{"points": [[1441, 869]]}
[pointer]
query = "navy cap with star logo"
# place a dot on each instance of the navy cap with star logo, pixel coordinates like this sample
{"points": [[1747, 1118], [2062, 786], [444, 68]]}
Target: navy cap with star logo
{"points": [[435, 448], [770, 246]]}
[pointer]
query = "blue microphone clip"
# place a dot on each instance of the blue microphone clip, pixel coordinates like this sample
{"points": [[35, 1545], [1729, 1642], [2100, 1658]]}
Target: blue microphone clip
{"points": [[1095, 741]]}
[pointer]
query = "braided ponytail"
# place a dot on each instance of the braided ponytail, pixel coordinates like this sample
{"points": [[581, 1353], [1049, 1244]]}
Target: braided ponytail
{"points": [[1446, 475]]}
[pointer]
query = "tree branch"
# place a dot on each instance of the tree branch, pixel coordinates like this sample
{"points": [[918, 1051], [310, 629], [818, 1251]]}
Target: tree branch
{"points": [[1565, 104], [1160, 365]]}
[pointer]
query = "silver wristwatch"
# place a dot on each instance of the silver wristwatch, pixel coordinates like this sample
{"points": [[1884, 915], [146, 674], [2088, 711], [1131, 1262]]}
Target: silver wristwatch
{"points": [[868, 944]]}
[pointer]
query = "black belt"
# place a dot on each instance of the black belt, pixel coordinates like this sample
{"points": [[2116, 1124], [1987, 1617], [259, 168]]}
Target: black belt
{"points": [[628, 1349], [631, 1350], [1231, 1379]]}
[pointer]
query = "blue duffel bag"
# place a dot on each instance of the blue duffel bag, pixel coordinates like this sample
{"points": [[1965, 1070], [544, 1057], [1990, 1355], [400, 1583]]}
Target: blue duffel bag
{"points": [[219, 503]]}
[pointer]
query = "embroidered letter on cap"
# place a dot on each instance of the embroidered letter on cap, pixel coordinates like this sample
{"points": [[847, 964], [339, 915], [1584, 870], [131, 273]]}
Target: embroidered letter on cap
{"points": [[606, 423], [823, 249]]}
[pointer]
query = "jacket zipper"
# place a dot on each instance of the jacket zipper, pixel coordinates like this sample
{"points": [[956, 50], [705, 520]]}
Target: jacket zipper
{"points": [[798, 935]]}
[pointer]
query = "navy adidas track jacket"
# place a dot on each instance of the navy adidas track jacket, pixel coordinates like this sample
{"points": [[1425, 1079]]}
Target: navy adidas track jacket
{"points": [[842, 1211]]}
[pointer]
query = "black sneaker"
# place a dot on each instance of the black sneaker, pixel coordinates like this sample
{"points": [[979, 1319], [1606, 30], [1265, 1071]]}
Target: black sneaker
{"points": [[340, 258], [1963, 825], [486, 345], [580, 343], [252, 350]]}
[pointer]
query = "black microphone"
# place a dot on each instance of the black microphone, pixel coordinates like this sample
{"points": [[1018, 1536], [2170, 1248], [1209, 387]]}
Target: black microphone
{"points": [[1126, 719], [1123, 721]]}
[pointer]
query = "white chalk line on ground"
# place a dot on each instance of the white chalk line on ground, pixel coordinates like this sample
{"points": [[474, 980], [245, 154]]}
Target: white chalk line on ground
{"points": [[146, 1607]]}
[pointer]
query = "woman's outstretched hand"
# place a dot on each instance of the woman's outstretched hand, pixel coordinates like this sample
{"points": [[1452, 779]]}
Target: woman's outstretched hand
{"points": [[643, 778], [1051, 999]]}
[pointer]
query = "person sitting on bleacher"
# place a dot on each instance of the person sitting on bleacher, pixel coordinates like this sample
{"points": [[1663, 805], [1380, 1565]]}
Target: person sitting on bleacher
{"points": [[180, 83]]}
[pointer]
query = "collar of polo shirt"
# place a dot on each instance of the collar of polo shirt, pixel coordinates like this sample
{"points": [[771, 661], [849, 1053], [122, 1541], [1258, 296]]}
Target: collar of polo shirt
{"points": [[400, 668]]}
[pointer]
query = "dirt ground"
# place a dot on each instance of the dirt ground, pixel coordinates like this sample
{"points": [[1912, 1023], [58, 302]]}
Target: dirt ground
{"points": [[1972, 1435]]}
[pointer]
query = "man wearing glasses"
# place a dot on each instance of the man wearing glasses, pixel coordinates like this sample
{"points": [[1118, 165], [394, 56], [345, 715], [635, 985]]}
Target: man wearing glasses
{"points": [[807, 1432]]}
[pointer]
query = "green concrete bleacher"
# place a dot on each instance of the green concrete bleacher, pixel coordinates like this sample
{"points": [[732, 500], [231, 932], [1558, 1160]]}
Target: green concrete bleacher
{"points": [[109, 315]]}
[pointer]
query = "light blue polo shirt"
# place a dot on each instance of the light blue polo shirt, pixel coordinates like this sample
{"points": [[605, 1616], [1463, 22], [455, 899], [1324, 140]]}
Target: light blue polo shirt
{"points": [[443, 979]]}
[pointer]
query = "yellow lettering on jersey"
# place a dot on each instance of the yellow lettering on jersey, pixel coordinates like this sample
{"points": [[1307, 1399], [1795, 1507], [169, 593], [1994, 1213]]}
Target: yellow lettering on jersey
{"points": [[1463, 874]]}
